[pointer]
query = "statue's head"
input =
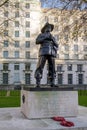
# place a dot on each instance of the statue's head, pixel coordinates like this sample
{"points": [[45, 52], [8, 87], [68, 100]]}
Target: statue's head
{"points": [[48, 27]]}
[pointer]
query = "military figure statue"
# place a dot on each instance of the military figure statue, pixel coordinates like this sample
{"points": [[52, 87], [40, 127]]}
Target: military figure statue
{"points": [[47, 51]]}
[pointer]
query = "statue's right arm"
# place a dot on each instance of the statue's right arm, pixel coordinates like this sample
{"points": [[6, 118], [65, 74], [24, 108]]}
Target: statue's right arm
{"points": [[40, 39]]}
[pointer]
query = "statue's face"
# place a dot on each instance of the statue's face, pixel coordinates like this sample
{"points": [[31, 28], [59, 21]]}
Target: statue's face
{"points": [[48, 29]]}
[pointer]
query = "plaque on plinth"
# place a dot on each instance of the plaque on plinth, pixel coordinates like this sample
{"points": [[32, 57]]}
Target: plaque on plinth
{"points": [[49, 102]]}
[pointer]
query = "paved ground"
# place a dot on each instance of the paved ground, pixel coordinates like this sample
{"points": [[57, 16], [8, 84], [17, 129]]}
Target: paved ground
{"points": [[13, 119]]}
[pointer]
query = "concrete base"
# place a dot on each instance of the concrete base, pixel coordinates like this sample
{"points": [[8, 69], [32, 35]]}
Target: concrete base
{"points": [[13, 119], [46, 104]]}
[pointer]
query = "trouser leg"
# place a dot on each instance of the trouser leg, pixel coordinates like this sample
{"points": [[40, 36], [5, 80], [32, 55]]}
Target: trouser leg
{"points": [[51, 67], [39, 69]]}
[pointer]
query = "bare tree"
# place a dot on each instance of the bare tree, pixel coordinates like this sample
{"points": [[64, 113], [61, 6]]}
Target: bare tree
{"points": [[65, 4], [9, 11], [69, 9]]}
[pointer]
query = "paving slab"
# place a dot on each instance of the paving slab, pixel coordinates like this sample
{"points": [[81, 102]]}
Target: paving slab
{"points": [[13, 119]]}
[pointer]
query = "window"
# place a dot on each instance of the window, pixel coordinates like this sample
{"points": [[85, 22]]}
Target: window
{"points": [[66, 47], [60, 78], [27, 55], [79, 67], [16, 66], [16, 33], [16, 43], [66, 56], [70, 78], [27, 44], [85, 47], [5, 78], [6, 4], [27, 33], [85, 56], [75, 56], [16, 23], [6, 23], [46, 19], [69, 67], [27, 66], [75, 38], [27, 78], [55, 19], [27, 14], [16, 14], [66, 37], [56, 37], [5, 54], [16, 54], [6, 13], [27, 5], [17, 5], [27, 24], [80, 78], [84, 37], [5, 66], [16, 77], [66, 28], [5, 32], [56, 28], [76, 48], [59, 68], [5, 43]]}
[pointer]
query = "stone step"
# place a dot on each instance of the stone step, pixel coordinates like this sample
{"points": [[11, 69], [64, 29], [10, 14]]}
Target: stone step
{"points": [[13, 119]]}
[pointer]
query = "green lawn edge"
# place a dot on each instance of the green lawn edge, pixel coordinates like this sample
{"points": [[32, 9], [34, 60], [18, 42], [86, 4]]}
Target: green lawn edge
{"points": [[12, 98]]}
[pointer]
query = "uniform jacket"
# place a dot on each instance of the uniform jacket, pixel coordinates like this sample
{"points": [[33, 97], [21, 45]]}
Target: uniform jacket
{"points": [[48, 44]]}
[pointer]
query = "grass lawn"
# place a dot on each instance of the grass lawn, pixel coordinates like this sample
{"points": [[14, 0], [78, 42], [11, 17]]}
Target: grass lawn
{"points": [[9, 98], [12, 98], [83, 101], [82, 97], [10, 101]]}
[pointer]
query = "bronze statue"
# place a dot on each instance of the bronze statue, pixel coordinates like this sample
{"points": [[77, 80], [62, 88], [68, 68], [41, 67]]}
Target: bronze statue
{"points": [[47, 51]]}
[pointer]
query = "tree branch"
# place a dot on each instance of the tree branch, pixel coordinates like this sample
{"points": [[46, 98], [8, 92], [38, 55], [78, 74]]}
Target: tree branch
{"points": [[4, 3]]}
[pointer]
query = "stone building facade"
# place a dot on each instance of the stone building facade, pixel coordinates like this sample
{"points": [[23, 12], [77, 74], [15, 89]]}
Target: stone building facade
{"points": [[19, 53]]}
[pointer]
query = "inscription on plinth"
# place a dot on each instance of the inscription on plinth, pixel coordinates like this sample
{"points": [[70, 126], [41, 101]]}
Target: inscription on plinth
{"points": [[46, 104]]}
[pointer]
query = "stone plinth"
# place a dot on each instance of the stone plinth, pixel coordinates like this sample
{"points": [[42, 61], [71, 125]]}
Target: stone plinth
{"points": [[49, 103]]}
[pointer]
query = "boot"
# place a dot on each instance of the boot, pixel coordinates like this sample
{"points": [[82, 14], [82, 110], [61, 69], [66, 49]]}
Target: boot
{"points": [[52, 83], [38, 83]]}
